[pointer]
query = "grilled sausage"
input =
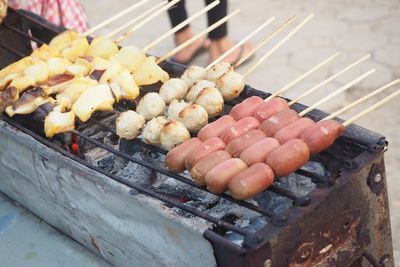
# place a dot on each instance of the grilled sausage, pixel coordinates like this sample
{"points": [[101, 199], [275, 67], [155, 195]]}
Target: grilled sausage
{"points": [[321, 135], [206, 148], [217, 178], [278, 121], [200, 170], [242, 142], [238, 128], [251, 181], [215, 128], [259, 151], [270, 108], [246, 108], [289, 157], [175, 159], [293, 130]]}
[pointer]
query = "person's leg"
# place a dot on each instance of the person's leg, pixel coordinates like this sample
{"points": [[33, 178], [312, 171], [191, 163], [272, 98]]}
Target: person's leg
{"points": [[178, 14], [215, 15]]}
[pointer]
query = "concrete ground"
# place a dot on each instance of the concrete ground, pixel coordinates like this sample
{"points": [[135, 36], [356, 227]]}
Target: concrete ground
{"points": [[353, 28]]}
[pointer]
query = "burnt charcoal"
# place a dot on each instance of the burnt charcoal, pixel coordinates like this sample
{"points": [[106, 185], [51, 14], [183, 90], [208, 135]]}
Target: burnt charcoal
{"points": [[315, 167], [296, 183], [235, 238], [273, 202], [176, 189]]}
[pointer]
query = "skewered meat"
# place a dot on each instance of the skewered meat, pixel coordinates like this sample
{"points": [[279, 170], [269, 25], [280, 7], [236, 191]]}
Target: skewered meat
{"points": [[242, 142], [57, 122], [215, 128], [7, 80], [321, 135], [270, 108], [43, 110], [289, 157], [197, 88], [14, 68], [56, 84], [251, 181], [217, 179], [28, 102], [293, 130], [217, 71], [129, 124], [173, 134], [102, 47], [7, 97], [22, 83], [43, 53], [130, 90], [246, 108], [104, 70], [78, 69], [93, 98], [173, 89], [151, 106], [175, 159], [70, 45], [211, 100], [206, 148], [67, 97], [149, 72], [231, 84], [193, 74], [130, 57], [259, 151], [199, 171], [57, 65], [152, 129], [193, 116], [238, 128], [39, 71], [280, 120]]}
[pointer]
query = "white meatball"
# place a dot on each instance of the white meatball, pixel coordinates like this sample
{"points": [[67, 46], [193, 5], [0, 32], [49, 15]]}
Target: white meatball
{"points": [[173, 134], [151, 106], [175, 107], [211, 100], [216, 71], [173, 89], [129, 124], [151, 132], [197, 88], [193, 74], [194, 117], [230, 85]]}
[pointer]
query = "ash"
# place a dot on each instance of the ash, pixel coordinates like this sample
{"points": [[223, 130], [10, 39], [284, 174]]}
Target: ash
{"points": [[188, 195]]}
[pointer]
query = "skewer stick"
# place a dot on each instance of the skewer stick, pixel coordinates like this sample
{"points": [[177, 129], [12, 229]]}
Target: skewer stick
{"points": [[181, 25], [342, 89], [136, 19], [239, 44], [194, 38], [331, 78], [265, 41], [303, 76], [371, 108], [278, 45], [147, 19], [115, 17], [362, 99]]}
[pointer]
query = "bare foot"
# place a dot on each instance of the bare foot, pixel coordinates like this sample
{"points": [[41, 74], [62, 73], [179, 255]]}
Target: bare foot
{"points": [[186, 54], [218, 47]]}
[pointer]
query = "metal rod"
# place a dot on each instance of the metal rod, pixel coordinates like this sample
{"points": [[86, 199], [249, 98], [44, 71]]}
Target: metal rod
{"points": [[12, 50], [18, 31]]}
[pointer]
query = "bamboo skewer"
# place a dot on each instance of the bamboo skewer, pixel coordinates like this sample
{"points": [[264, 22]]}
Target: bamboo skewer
{"points": [[135, 20], [194, 38], [371, 108], [303, 76], [340, 90], [265, 41], [181, 25], [278, 45], [358, 101], [115, 17], [331, 78], [147, 19], [239, 44]]}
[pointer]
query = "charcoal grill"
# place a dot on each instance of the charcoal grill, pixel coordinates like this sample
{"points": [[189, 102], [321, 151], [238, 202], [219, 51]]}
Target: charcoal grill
{"points": [[343, 221]]}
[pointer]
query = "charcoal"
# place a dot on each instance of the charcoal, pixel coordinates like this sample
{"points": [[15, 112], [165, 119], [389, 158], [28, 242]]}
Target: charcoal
{"points": [[273, 202], [296, 183]]}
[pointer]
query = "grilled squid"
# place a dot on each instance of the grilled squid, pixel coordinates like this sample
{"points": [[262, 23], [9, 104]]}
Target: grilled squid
{"points": [[192, 116], [193, 74], [173, 134], [8, 97], [129, 124], [39, 71], [67, 97], [151, 132], [150, 106], [173, 89]]}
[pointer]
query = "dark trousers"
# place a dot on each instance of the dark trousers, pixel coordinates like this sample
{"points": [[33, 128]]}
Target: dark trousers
{"points": [[178, 13]]}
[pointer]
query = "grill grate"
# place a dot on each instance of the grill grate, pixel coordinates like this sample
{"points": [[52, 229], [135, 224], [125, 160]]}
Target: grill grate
{"points": [[252, 239]]}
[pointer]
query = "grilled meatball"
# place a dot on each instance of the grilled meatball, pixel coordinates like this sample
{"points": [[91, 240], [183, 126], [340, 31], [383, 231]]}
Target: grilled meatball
{"points": [[151, 106], [129, 124], [216, 71], [197, 88], [173, 134], [173, 89], [193, 74], [151, 132], [231, 84]]}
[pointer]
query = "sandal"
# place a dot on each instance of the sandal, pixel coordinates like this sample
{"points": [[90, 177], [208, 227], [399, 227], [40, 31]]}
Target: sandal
{"points": [[201, 50]]}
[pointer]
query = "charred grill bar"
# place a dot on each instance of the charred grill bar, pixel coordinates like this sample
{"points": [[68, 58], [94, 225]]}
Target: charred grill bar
{"points": [[343, 221]]}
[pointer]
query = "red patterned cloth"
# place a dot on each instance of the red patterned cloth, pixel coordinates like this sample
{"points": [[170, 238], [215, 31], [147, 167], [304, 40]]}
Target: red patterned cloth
{"points": [[67, 13]]}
